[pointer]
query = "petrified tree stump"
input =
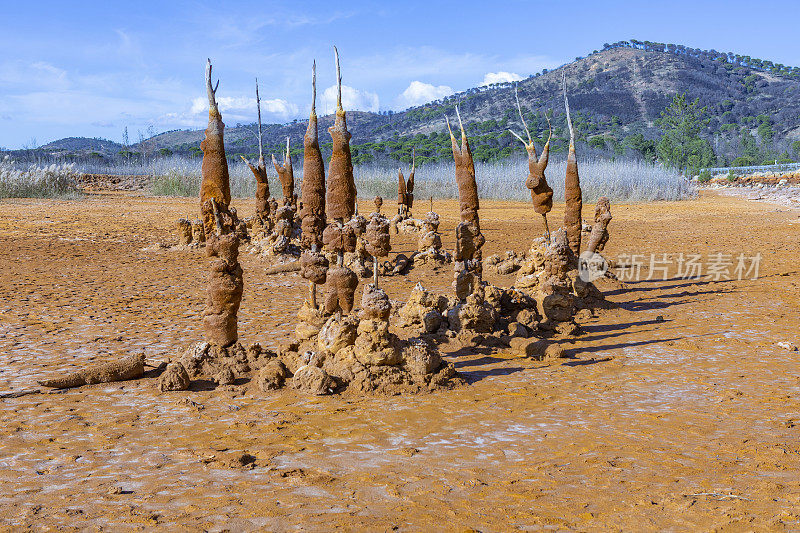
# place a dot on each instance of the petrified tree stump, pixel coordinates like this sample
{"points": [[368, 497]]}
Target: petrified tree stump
{"points": [[215, 182], [341, 195], [572, 189], [541, 193], [469, 239], [131, 367], [286, 176]]}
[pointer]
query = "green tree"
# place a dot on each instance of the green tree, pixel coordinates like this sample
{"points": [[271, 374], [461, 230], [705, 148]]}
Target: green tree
{"points": [[681, 146], [796, 148], [765, 130], [645, 147], [750, 150], [598, 141]]}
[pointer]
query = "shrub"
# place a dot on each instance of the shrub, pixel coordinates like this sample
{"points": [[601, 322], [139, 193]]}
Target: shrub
{"points": [[50, 181], [621, 180], [174, 183], [704, 177]]}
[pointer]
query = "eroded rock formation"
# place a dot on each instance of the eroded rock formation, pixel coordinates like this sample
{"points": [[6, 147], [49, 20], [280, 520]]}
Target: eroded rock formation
{"points": [[550, 276], [225, 286], [429, 243], [341, 284], [185, 235], [377, 241], [424, 310], [198, 232]]}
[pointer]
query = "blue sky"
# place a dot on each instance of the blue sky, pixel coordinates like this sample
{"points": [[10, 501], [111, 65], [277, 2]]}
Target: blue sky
{"points": [[93, 68]]}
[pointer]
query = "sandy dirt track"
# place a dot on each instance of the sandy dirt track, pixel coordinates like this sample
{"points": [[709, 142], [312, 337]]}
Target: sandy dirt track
{"points": [[690, 423]]}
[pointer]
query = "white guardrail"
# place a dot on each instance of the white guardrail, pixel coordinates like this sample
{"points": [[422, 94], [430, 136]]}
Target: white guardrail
{"points": [[783, 167]]}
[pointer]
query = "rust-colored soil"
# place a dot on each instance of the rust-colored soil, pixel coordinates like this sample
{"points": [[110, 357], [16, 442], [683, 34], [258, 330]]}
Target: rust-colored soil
{"points": [[690, 423]]}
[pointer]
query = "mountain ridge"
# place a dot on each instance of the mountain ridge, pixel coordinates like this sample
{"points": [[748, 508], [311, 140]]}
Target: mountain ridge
{"points": [[615, 93]]}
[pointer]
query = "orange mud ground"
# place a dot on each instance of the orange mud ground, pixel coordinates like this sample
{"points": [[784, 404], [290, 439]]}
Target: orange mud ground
{"points": [[688, 424]]}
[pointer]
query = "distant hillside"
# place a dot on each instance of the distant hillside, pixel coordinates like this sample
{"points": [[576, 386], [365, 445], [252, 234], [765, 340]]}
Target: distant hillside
{"points": [[616, 95], [78, 144]]}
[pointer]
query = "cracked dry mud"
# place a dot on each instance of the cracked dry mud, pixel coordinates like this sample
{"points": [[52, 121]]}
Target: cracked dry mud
{"points": [[690, 423]]}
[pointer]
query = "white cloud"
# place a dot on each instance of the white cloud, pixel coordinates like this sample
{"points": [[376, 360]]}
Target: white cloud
{"points": [[237, 104], [352, 100], [500, 77], [24, 76], [418, 93]]}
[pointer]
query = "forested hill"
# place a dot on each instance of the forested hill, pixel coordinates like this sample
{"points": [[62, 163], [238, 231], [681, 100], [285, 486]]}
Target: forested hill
{"points": [[616, 96]]}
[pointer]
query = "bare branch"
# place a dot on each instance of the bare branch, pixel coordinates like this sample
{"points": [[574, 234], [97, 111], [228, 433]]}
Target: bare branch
{"points": [[314, 88], [461, 124], [518, 137], [338, 80], [260, 141], [519, 108], [212, 102], [247, 161], [549, 126], [566, 105]]}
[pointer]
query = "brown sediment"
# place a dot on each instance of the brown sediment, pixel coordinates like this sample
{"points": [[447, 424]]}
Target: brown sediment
{"points": [[312, 189], [198, 231], [573, 196], [215, 181], [541, 193], [341, 285], [225, 288], [341, 194], [339, 237], [599, 234], [314, 267], [634, 386], [131, 367], [378, 239], [285, 175], [184, 232]]}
